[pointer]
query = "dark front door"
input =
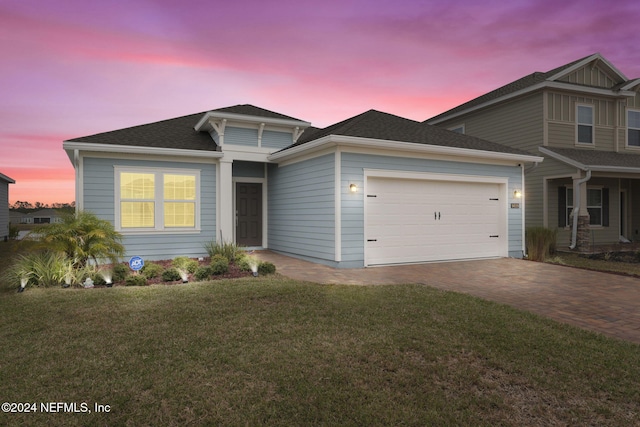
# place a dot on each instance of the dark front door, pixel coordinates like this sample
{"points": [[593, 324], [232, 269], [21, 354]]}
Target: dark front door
{"points": [[248, 214]]}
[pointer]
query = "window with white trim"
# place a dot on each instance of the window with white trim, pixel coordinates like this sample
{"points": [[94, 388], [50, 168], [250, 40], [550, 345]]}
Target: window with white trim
{"points": [[157, 200], [585, 124], [633, 128], [594, 205]]}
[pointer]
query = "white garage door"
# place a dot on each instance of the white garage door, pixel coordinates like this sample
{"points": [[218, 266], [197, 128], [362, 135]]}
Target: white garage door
{"points": [[413, 220]]}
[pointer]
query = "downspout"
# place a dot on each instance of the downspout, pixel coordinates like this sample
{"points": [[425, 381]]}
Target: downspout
{"points": [[576, 209]]}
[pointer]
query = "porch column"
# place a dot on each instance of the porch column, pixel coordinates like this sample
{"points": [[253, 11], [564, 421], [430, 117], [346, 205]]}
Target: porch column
{"points": [[226, 201], [583, 236]]}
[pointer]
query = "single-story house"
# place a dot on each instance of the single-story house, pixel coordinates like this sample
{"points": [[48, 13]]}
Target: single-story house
{"points": [[43, 216], [4, 207], [373, 189]]}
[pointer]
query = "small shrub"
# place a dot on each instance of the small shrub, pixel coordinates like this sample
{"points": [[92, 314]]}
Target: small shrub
{"points": [[246, 262], [120, 272], [171, 275], [38, 268], [185, 263], [540, 242], [228, 250], [219, 264], [14, 232], [152, 270], [266, 268], [135, 280], [202, 273]]}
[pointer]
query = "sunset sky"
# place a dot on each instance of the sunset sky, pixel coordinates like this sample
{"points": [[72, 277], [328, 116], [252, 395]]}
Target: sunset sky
{"points": [[70, 68]]}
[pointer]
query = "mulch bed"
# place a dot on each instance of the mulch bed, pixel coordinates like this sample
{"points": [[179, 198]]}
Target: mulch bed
{"points": [[627, 257], [233, 273]]}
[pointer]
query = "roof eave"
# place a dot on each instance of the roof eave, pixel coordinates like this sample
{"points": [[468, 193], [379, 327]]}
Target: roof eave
{"points": [[542, 85], [593, 168], [408, 147], [70, 146], [6, 178], [202, 123]]}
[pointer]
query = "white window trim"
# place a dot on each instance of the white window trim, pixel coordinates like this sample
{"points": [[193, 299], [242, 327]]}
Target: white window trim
{"points": [[592, 124], [633, 147], [569, 205], [159, 200]]}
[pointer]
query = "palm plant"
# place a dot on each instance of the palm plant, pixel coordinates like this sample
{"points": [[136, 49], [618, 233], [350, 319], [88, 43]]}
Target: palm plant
{"points": [[81, 237]]}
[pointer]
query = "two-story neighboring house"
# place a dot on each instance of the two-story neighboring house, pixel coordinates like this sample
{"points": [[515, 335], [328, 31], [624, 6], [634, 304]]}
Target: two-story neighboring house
{"points": [[584, 118]]}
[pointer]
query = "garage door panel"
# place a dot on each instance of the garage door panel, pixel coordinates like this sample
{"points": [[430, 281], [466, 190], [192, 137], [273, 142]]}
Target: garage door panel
{"points": [[421, 220]]}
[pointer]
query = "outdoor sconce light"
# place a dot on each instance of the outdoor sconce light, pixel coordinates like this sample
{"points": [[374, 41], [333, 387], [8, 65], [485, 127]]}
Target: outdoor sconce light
{"points": [[353, 188], [517, 194]]}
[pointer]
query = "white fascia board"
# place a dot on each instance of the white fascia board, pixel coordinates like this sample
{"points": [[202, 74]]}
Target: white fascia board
{"points": [[542, 85], [129, 149], [407, 147], [594, 57], [251, 119], [562, 158], [631, 84]]}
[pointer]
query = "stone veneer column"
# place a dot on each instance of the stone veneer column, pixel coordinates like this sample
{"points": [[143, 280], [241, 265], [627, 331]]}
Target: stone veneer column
{"points": [[583, 238]]}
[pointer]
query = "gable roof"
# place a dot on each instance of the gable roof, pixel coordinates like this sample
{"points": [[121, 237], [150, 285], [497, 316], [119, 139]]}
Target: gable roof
{"points": [[594, 160], [377, 125], [532, 82]]}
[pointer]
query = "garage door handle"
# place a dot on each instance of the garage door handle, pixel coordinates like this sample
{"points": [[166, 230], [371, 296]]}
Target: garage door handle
{"points": [[436, 216]]}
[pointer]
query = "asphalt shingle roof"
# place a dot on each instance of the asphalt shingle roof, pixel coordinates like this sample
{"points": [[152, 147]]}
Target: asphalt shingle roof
{"points": [[176, 133], [520, 84], [378, 125], [593, 158]]}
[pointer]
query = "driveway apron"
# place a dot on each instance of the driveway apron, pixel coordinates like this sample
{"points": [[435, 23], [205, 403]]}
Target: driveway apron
{"points": [[601, 302]]}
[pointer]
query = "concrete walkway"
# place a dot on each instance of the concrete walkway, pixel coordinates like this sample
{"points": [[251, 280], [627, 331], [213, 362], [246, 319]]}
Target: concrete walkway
{"points": [[602, 302]]}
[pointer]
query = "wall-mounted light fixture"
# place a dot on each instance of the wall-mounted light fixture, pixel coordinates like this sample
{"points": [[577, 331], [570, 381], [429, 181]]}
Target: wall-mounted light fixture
{"points": [[517, 194], [353, 188]]}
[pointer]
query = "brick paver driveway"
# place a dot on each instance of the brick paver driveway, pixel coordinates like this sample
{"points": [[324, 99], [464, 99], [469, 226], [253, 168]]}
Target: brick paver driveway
{"points": [[601, 302]]}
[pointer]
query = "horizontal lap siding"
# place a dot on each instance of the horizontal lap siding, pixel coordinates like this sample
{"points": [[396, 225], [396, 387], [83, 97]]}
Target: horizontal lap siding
{"points": [[302, 208], [241, 136], [352, 204], [99, 198], [279, 140]]}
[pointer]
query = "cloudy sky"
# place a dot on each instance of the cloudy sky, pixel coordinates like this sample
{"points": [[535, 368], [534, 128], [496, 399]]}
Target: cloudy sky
{"points": [[71, 68]]}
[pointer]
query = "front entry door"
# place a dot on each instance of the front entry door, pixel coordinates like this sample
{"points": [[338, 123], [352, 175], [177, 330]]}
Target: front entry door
{"points": [[249, 214]]}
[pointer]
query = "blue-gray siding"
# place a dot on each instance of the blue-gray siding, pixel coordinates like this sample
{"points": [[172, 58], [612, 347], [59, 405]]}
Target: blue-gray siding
{"points": [[352, 204], [249, 138], [99, 198], [302, 208], [279, 140]]}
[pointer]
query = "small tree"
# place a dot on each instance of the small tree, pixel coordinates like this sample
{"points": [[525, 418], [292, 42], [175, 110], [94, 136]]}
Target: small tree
{"points": [[82, 237]]}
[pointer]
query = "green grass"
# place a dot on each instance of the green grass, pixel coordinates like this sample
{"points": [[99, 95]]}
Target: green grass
{"points": [[577, 260], [272, 351]]}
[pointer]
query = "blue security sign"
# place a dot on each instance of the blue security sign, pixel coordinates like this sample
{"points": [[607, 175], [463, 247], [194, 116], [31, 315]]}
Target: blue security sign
{"points": [[136, 263]]}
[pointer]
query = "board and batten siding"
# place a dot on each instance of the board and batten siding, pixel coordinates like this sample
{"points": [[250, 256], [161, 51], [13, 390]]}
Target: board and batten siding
{"points": [[352, 204], [302, 208], [516, 123], [99, 198]]}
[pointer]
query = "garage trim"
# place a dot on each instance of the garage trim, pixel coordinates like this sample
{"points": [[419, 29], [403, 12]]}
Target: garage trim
{"points": [[503, 183]]}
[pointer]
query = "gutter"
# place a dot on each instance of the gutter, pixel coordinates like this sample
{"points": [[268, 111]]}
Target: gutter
{"points": [[576, 209]]}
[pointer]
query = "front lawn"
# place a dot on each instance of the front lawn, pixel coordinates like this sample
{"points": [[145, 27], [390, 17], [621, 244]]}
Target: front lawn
{"points": [[273, 351]]}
